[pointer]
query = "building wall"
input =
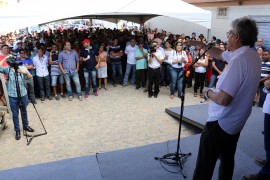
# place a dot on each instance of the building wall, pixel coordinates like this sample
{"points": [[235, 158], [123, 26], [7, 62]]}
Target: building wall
{"points": [[220, 26], [3, 3]]}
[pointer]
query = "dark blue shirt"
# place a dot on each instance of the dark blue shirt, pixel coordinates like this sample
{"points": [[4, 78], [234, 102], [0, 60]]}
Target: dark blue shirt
{"points": [[90, 63], [115, 49], [27, 62]]}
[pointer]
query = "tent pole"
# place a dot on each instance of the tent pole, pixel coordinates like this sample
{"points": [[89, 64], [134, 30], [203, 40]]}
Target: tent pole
{"points": [[208, 35]]}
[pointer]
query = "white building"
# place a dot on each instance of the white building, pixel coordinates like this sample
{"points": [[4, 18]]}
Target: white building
{"points": [[223, 13]]}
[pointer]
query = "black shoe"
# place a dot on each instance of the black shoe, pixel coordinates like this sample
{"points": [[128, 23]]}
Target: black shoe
{"points": [[155, 95], [42, 99], [50, 97], [28, 128], [18, 135], [63, 95], [34, 101], [138, 87], [150, 95]]}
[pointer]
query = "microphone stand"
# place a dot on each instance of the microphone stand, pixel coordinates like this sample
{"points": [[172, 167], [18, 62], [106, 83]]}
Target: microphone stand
{"points": [[178, 158]]}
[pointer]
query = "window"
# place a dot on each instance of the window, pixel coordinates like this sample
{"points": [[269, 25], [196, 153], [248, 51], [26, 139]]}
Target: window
{"points": [[222, 12]]}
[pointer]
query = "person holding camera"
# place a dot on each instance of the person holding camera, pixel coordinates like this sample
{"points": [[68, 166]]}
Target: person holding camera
{"points": [[154, 61], [177, 66], [56, 72], [23, 74]]}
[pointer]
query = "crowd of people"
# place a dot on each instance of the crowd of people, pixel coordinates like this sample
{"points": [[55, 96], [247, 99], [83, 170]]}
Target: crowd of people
{"points": [[152, 59], [145, 58]]}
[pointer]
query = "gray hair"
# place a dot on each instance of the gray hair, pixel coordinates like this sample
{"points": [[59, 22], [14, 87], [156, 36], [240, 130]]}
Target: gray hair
{"points": [[247, 30]]}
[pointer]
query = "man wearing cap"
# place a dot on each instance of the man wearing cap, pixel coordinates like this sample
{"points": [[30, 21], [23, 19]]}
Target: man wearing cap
{"points": [[88, 55], [69, 65]]}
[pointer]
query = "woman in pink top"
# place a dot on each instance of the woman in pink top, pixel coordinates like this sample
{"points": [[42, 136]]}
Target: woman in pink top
{"points": [[102, 67]]}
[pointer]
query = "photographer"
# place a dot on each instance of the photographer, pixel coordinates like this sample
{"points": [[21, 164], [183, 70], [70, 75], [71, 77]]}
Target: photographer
{"points": [[154, 61], [23, 74]]}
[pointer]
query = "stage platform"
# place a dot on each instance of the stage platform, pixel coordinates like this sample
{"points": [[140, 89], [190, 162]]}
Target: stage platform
{"points": [[251, 138], [139, 163]]}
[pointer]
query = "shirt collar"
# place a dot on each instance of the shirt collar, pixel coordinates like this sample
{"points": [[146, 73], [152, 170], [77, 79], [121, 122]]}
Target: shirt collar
{"points": [[239, 51]]}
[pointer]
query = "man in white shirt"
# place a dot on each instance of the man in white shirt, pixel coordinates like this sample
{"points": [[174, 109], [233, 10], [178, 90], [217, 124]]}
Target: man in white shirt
{"points": [[131, 61], [155, 59], [231, 102], [40, 62]]}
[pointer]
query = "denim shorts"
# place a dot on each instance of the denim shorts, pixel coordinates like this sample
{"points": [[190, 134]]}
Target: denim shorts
{"points": [[54, 79]]}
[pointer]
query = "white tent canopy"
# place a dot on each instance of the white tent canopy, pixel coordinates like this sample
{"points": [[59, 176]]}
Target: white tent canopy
{"points": [[29, 13]]}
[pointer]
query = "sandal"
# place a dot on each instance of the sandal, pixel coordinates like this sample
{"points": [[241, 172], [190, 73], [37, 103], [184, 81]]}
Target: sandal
{"points": [[106, 88], [99, 88], [201, 95], [195, 94]]}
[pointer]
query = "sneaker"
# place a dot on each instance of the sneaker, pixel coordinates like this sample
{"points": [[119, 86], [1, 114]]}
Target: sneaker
{"points": [[50, 97], [86, 96], [70, 98], [96, 94], [80, 98], [62, 95], [57, 97], [260, 162]]}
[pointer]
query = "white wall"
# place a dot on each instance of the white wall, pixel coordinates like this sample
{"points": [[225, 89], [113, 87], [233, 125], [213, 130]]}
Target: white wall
{"points": [[219, 26]]}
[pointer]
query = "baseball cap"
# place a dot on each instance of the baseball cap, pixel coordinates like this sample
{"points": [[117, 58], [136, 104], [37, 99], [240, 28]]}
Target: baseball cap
{"points": [[86, 41]]}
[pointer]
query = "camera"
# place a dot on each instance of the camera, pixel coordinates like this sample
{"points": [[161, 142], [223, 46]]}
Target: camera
{"points": [[12, 61], [152, 49], [54, 52]]}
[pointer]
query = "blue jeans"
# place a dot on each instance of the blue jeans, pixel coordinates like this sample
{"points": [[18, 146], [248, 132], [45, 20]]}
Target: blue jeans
{"points": [[75, 78], [15, 111], [175, 74], [41, 81], [117, 67], [212, 81], [130, 67], [93, 76], [265, 171]]}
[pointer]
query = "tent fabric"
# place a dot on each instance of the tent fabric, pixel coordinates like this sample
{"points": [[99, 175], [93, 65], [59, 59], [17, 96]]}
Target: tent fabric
{"points": [[31, 13]]}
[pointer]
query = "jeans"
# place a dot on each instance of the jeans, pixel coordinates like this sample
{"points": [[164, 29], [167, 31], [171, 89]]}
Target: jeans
{"points": [[215, 144], [75, 78], [29, 83], [165, 74], [41, 81], [132, 68], [212, 80], [265, 171], [199, 81], [15, 111], [262, 95], [54, 79], [153, 78], [140, 78], [117, 67], [175, 74], [93, 76]]}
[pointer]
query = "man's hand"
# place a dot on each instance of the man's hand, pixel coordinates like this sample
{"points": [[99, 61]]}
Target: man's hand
{"points": [[267, 85], [22, 71]]}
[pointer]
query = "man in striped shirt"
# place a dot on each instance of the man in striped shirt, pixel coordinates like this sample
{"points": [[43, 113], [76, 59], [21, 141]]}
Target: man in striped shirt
{"points": [[265, 74]]}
